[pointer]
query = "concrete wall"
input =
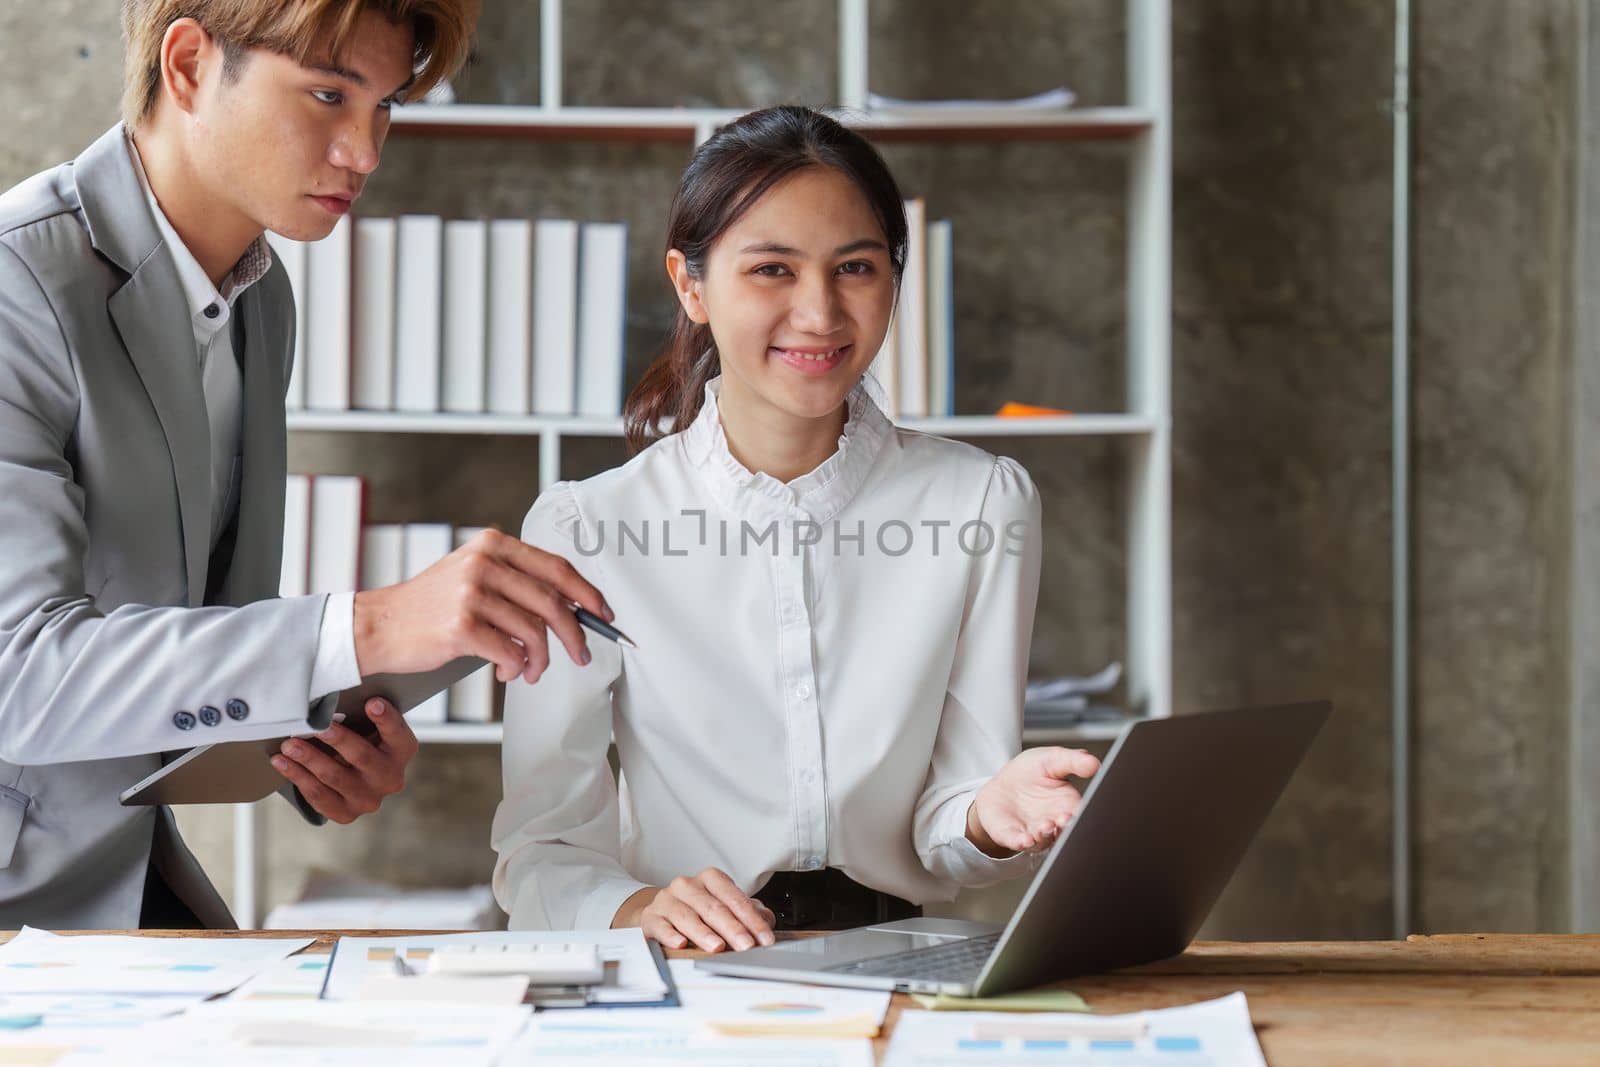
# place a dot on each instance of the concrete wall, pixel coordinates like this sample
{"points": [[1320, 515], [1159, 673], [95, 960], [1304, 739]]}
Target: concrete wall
{"points": [[1280, 387]]}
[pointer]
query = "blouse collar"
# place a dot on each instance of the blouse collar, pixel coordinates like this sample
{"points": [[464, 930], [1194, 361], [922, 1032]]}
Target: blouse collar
{"points": [[819, 494]]}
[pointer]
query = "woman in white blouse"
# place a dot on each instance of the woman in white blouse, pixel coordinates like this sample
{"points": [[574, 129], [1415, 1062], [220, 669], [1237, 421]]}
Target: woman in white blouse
{"points": [[832, 615]]}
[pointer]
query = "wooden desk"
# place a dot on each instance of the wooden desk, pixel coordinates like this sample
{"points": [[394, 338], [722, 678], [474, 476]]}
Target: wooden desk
{"points": [[1527, 1000]]}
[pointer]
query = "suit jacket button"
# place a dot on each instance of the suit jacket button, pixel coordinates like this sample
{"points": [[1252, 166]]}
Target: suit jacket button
{"points": [[238, 710], [210, 715], [183, 720]]}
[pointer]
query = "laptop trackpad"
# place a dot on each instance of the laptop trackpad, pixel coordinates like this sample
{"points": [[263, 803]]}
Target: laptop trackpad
{"points": [[858, 945]]}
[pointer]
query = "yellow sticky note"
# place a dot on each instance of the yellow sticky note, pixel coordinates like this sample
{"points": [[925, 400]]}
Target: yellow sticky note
{"points": [[1030, 1000]]}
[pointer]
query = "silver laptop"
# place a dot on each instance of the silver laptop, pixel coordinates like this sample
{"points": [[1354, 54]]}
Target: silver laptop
{"points": [[1161, 829], [241, 772]]}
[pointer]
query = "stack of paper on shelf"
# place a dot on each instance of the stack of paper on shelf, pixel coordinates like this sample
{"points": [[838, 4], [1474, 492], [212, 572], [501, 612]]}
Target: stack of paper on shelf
{"points": [[1056, 99], [1053, 703], [915, 367]]}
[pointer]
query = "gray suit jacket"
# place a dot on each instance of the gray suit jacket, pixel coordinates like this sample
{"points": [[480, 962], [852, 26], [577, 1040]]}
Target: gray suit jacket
{"points": [[115, 614]]}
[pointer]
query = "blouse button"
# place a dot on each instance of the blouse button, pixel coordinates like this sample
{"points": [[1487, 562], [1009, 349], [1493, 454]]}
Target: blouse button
{"points": [[802, 690]]}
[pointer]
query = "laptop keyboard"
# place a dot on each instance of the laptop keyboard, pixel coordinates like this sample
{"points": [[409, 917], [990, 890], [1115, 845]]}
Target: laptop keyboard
{"points": [[951, 962]]}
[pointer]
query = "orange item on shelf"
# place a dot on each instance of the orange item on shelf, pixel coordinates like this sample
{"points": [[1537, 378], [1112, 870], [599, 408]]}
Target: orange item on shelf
{"points": [[1013, 410]]}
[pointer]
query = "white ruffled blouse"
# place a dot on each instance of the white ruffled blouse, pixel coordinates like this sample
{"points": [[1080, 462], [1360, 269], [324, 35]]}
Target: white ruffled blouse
{"points": [[827, 671]]}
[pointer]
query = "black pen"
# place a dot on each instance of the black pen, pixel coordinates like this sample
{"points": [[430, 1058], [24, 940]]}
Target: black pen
{"points": [[603, 628]]}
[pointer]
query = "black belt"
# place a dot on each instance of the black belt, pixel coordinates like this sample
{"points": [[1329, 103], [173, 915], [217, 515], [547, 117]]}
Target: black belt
{"points": [[829, 899], [162, 909]]}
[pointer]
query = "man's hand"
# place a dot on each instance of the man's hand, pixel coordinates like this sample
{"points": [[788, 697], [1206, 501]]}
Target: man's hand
{"points": [[707, 908], [1029, 802], [354, 782], [491, 598]]}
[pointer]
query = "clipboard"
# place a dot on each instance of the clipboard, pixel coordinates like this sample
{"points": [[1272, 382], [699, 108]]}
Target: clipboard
{"points": [[544, 999], [671, 999], [557, 998]]}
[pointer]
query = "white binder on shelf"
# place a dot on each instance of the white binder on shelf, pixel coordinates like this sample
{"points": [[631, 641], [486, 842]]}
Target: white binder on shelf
{"points": [[555, 317], [602, 313], [913, 314], [419, 298], [292, 254], [941, 319], [466, 305], [472, 699], [885, 368], [372, 387], [337, 503], [426, 543], [510, 317], [327, 372], [383, 555], [295, 573]]}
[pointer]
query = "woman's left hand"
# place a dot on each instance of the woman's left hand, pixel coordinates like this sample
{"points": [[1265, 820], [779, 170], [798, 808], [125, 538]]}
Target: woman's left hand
{"points": [[1025, 806]]}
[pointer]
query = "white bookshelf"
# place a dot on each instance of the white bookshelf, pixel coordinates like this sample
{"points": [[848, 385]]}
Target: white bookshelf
{"points": [[692, 124], [1144, 123], [492, 733], [581, 426]]}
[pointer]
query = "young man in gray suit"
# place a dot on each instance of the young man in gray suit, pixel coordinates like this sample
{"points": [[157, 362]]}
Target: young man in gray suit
{"points": [[145, 345]]}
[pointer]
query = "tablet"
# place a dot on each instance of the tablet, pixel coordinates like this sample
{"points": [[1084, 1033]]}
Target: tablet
{"points": [[240, 772]]}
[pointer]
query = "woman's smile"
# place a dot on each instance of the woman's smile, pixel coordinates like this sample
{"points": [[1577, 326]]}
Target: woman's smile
{"points": [[812, 360]]}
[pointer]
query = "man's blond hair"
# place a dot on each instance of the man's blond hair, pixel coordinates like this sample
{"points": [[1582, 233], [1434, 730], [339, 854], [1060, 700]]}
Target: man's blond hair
{"points": [[304, 30]]}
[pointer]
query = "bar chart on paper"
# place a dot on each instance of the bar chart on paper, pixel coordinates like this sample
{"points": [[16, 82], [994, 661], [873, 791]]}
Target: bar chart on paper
{"points": [[36, 961], [628, 1038], [1216, 1033]]}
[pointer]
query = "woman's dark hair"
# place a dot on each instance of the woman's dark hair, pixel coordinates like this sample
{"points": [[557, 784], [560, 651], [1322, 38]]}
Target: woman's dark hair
{"points": [[728, 174]]}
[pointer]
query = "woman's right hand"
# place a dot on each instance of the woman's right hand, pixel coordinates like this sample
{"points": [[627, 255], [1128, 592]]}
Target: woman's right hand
{"points": [[707, 909]]}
